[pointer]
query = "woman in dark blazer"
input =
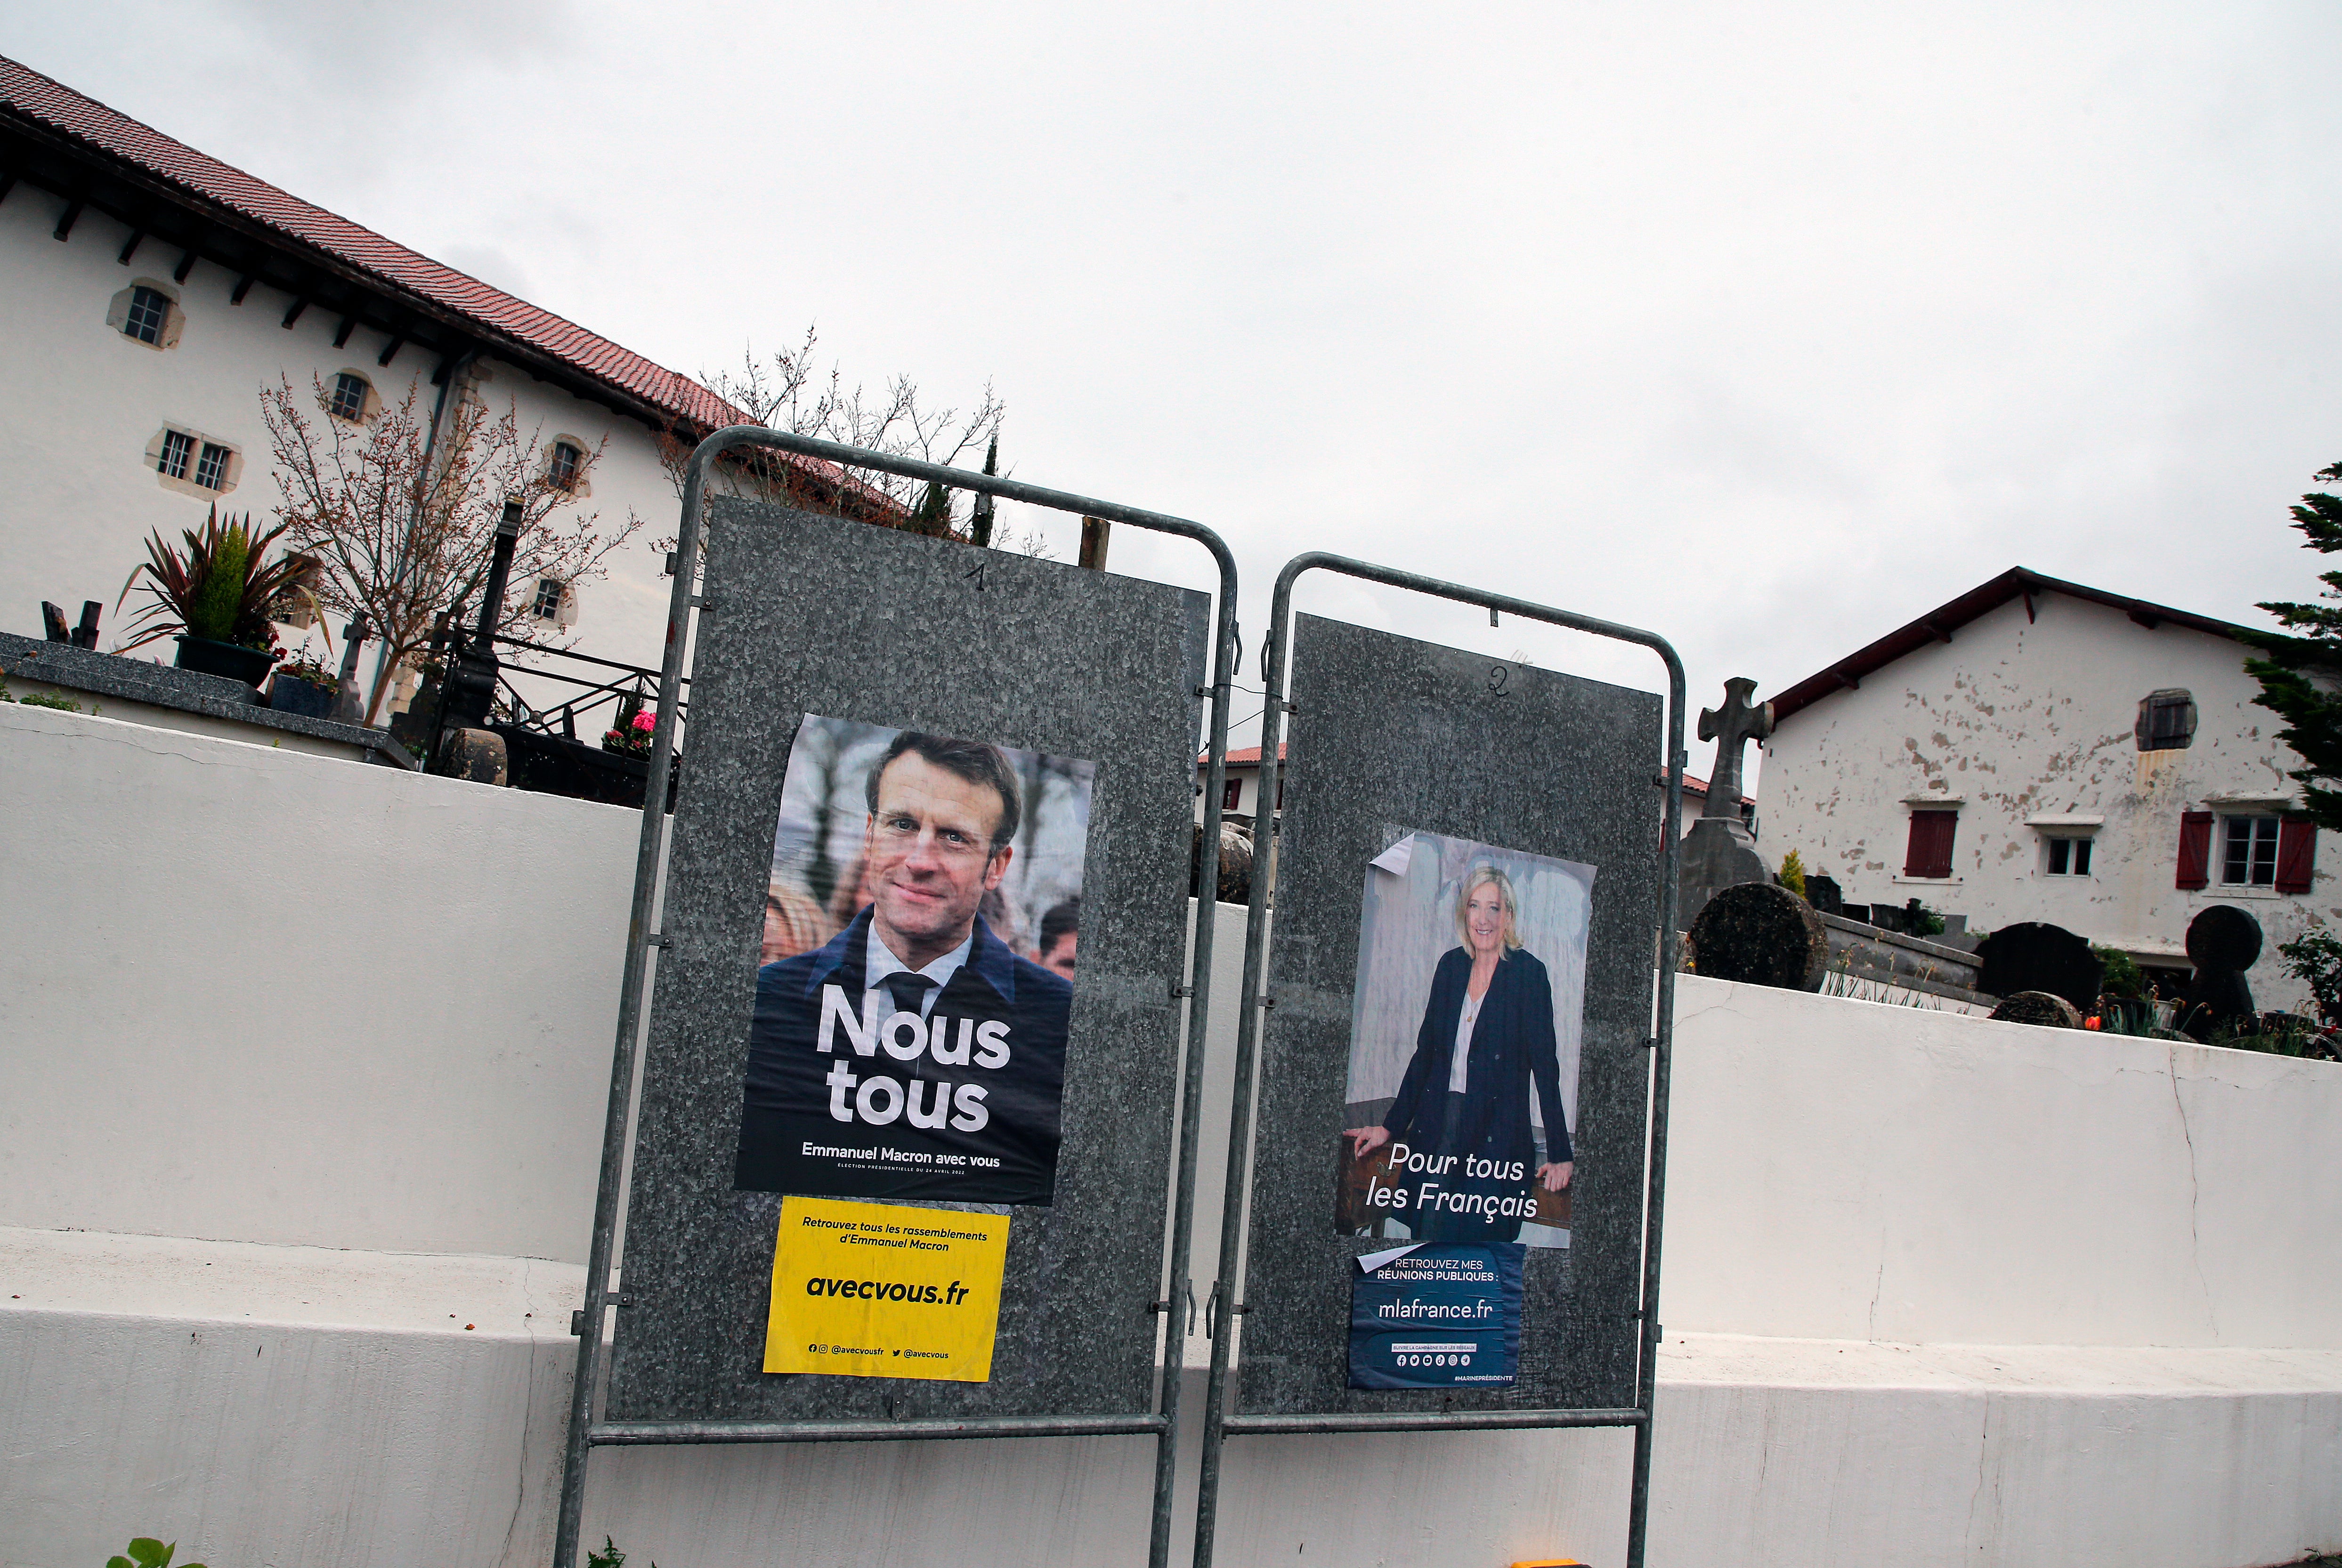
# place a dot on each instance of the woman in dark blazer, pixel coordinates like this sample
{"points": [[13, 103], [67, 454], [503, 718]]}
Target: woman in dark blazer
{"points": [[1469, 1119]]}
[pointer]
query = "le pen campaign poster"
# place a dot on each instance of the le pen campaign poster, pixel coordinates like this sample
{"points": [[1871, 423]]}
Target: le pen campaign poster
{"points": [[1463, 1045], [921, 926], [1436, 1317], [881, 1290]]}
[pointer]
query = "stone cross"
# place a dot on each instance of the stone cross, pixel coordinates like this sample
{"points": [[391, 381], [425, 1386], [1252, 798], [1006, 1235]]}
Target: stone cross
{"points": [[1730, 727]]}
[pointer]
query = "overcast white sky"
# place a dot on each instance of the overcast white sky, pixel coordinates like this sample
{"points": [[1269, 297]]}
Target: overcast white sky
{"points": [[1765, 327]]}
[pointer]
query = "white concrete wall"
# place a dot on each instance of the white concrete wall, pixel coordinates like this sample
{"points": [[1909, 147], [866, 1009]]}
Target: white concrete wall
{"points": [[77, 416], [1845, 1170], [258, 997], [1938, 1291], [2014, 719]]}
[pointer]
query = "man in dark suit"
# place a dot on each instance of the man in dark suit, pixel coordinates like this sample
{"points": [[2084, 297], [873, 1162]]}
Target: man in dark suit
{"points": [[915, 1054]]}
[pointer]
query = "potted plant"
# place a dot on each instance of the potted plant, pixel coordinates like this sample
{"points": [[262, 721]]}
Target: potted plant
{"points": [[631, 736], [213, 595], [304, 686]]}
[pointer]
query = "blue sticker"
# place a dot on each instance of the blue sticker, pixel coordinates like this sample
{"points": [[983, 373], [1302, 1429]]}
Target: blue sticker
{"points": [[1436, 1317]]}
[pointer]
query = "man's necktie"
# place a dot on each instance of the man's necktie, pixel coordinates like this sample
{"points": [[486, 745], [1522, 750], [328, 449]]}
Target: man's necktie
{"points": [[908, 990]]}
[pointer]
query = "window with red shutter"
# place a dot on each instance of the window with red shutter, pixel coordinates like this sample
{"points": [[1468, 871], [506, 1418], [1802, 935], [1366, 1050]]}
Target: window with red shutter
{"points": [[1930, 850], [1230, 793], [2296, 853], [2194, 848]]}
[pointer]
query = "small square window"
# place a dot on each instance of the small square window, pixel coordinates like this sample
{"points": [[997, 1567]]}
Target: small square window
{"points": [[547, 604], [2069, 857], [562, 470], [150, 312], [211, 468], [2248, 852], [178, 449], [2166, 721], [349, 399]]}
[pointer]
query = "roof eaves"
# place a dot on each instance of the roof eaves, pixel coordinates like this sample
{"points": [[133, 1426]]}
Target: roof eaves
{"points": [[222, 196], [1939, 623]]}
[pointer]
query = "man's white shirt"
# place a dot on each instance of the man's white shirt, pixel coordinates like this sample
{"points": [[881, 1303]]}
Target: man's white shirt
{"points": [[878, 961]]}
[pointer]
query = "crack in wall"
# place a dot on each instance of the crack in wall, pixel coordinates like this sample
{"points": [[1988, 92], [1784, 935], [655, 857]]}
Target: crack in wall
{"points": [[1983, 1450], [2195, 1240], [1878, 1285], [527, 1414]]}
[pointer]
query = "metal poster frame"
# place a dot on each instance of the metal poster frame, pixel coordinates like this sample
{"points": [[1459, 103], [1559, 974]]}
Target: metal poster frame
{"points": [[1221, 1421], [584, 1432]]}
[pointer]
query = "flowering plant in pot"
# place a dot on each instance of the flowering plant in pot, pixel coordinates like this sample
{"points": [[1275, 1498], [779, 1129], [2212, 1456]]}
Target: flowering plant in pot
{"points": [[214, 596], [631, 737], [304, 686]]}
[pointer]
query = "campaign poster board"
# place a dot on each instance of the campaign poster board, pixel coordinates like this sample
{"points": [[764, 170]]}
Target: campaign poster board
{"points": [[1452, 763], [821, 644], [916, 969], [1465, 1033], [1437, 1316]]}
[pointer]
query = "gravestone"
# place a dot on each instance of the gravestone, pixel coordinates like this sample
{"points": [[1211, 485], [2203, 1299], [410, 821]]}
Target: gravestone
{"points": [[2033, 956], [478, 756], [1234, 883], [1760, 934], [1719, 852], [1822, 892], [2041, 1007], [2222, 943]]}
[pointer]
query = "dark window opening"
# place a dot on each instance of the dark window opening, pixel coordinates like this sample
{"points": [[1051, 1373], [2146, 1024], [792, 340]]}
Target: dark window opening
{"points": [[349, 396], [211, 468], [1231, 792], [150, 310], [564, 468], [1929, 853], [178, 449], [547, 604], [2069, 857], [2166, 721]]}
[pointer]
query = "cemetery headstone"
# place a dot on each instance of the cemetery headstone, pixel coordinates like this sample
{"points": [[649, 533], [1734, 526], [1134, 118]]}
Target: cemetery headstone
{"points": [[479, 756], [2041, 1007], [1719, 852], [1761, 934], [1233, 882], [2033, 956], [1822, 892], [2222, 943], [349, 702]]}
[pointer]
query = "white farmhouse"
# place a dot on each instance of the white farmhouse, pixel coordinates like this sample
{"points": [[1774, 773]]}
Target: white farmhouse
{"points": [[151, 292], [2036, 750]]}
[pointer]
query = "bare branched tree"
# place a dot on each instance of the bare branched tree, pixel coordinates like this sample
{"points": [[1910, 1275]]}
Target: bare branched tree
{"points": [[789, 391], [401, 527]]}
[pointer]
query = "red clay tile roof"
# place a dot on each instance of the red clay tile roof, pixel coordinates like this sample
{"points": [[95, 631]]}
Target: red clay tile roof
{"points": [[61, 109], [1696, 789], [1244, 756]]}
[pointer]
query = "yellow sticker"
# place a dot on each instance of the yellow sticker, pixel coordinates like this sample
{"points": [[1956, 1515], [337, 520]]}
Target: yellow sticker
{"points": [[875, 1289]]}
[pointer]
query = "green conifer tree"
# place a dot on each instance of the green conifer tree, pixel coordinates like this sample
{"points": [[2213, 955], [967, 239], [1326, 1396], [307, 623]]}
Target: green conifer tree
{"points": [[933, 514], [979, 525], [2301, 676]]}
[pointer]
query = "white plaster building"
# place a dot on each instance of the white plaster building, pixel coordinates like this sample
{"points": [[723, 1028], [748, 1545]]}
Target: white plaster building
{"points": [[1240, 784], [147, 293], [2039, 750]]}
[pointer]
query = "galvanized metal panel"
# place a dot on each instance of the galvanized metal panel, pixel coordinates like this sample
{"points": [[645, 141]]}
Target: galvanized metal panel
{"points": [[808, 613], [1388, 736]]}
